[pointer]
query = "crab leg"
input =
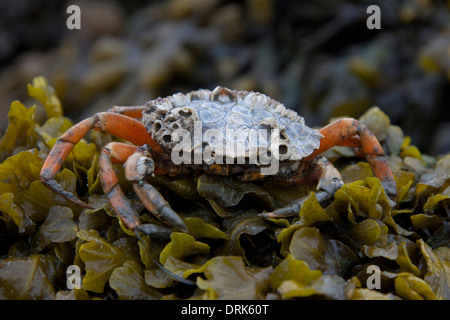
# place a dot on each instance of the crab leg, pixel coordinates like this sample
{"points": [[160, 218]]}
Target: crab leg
{"points": [[116, 124], [134, 112], [353, 142], [116, 152], [137, 167], [328, 179], [340, 131]]}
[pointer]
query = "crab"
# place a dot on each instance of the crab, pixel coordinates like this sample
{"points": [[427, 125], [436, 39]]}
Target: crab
{"points": [[150, 129]]}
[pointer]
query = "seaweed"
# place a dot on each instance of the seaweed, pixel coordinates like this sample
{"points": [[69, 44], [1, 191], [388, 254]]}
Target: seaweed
{"points": [[229, 251]]}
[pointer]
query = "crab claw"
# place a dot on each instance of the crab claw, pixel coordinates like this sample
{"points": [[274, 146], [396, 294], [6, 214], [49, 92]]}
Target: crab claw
{"points": [[293, 208], [390, 187], [56, 187], [138, 166], [155, 203], [154, 230]]}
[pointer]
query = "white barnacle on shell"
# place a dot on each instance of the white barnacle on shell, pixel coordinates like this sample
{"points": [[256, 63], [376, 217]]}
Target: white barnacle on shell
{"points": [[179, 100], [223, 95], [224, 109]]}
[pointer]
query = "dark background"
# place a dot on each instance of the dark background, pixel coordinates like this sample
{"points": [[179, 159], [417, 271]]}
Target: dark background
{"points": [[317, 57]]}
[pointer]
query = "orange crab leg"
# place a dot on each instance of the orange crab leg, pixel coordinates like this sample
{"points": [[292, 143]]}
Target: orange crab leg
{"points": [[134, 112], [116, 152], [353, 142], [116, 124], [340, 131]]}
